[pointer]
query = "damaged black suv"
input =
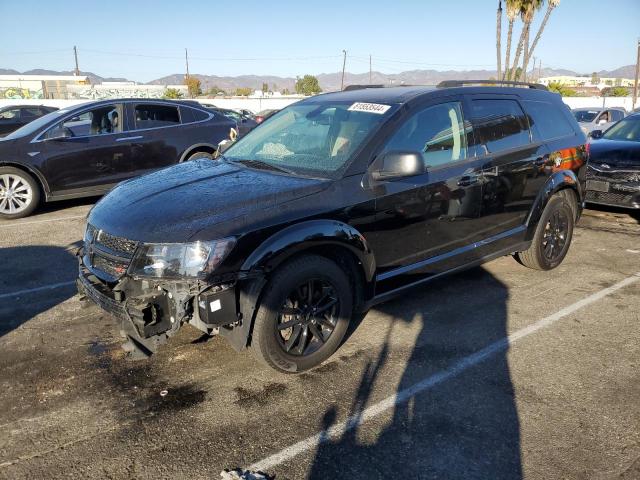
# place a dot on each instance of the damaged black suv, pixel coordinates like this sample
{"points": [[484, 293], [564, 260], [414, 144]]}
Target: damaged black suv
{"points": [[336, 203]]}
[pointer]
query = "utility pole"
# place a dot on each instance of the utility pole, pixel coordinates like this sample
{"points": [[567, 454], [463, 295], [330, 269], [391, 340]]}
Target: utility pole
{"points": [[533, 71], [370, 81], [75, 54], [186, 78], [635, 83], [344, 64]]}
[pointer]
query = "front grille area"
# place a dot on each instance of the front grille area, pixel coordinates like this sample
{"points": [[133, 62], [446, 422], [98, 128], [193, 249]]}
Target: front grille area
{"points": [[108, 256], [608, 197], [116, 244]]}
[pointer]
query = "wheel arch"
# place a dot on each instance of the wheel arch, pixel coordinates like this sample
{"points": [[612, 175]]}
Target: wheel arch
{"points": [[34, 172], [331, 239], [198, 147], [558, 181]]}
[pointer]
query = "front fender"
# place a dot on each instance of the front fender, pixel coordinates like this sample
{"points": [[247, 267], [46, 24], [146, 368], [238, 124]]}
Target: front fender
{"points": [[557, 181], [313, 233]]}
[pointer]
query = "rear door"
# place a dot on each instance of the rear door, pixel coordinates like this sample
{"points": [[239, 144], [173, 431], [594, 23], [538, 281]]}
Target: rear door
{"points": [[512, 162], [154, 137]]}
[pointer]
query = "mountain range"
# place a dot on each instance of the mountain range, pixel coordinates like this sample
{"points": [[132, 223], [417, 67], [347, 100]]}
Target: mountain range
{"points": [[330, 81]]}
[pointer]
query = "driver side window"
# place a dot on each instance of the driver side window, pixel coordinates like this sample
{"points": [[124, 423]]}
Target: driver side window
{"points": [[437, 132], [103, 120]]}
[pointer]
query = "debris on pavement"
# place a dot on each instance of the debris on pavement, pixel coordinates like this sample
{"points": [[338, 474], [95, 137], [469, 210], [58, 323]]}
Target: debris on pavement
{"points": [[239, 474]]}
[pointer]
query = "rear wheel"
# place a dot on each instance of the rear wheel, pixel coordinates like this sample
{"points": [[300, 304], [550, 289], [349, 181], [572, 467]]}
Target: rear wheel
{"points": [[19, 193], [303, 315], [553, 236]]}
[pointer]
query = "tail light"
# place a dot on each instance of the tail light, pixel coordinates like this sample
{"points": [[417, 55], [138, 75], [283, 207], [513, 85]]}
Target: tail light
{"points": [[587, 149]]}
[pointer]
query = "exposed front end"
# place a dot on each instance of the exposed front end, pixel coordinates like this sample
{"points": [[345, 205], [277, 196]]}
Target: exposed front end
{"points": [[155, 288]]}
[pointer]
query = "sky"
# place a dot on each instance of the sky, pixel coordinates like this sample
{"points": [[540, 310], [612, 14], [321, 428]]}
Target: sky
{"points": [[144, 40]]}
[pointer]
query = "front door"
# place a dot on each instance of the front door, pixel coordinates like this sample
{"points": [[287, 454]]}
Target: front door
{"points": [[424, 222], [83, 152]]}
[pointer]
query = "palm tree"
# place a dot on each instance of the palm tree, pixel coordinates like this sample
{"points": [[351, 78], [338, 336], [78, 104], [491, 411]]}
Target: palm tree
{"points": [[550, 6], [513, 8], [527, 12], [499, 38]]}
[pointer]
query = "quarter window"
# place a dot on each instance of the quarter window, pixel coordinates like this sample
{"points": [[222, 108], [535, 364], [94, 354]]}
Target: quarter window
{"points": [[549, 121], [10, 114], [438, 132], [153, 116], [103, 120], [499, 124], [616, 115]]}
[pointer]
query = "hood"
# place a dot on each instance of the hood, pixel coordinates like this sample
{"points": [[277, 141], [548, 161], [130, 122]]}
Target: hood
{"points": [[176, 203], [615, 153]]}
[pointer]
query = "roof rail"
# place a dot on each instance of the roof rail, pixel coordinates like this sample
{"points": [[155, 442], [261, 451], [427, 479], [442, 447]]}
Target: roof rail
{"points": [[360, 87], [462, 83]]}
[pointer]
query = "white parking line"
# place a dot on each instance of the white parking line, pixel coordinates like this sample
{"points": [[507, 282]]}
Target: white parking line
{"points": [[37, 289], [405, 395], [33, 222]]}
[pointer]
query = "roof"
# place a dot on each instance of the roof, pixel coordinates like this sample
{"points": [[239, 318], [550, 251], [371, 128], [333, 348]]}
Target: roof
{"points": [[596, 109], [399, 95]]}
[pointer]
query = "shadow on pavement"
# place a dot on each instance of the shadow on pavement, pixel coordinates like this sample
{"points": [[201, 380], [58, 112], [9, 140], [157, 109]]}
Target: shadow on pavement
{"points": [[465, 427], [31, 267]]}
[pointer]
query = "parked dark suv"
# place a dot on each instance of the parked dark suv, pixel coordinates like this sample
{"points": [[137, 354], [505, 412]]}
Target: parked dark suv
{"points": [[336, 203], [86, 150]]}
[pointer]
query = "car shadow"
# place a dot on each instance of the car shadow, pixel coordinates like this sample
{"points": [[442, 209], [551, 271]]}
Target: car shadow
{"points": [[635, 214], [23, 273], [464, 427]]}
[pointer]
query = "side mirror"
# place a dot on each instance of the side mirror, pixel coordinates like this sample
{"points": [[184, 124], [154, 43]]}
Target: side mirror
{"points": [[224, 145], [595, 134], [396, 164], [602, 121]]}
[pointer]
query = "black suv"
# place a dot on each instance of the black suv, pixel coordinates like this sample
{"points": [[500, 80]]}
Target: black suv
{"points": [[85, 150], [336, 203]]}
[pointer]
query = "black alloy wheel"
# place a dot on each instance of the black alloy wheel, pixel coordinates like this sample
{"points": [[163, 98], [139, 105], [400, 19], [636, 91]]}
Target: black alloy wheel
{"points": [[308, 317]]}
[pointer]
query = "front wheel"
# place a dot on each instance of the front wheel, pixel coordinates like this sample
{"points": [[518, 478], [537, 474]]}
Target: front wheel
{"points": [[553, 236], [303, 315], [19, 193]]}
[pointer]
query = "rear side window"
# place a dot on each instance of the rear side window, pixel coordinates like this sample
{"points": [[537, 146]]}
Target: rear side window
{"points": [[152, 116], [548, 120], [199, 115], [499, 124]]}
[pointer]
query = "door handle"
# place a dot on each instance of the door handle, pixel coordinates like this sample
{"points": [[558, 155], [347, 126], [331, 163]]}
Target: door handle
{"points": [[124, 139], [468, 180]]}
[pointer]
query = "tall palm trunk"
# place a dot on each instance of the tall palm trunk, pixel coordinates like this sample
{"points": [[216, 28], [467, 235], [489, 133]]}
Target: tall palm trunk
{"points": [[550, 6], [498, 40], [507, 70], [516, 59], [525, 56]]}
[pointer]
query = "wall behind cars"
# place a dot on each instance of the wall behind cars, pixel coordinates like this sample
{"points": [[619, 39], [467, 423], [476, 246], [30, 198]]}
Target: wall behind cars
{"points": [[258, 104]]}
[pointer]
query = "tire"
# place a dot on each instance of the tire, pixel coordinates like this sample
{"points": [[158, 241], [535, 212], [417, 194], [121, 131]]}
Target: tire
{"points": [[553, 235], [19, 193], [299, 347], [200, 155]]}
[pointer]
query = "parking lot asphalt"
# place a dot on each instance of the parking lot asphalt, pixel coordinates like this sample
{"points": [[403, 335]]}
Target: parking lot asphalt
{"points": [[497, 372]]}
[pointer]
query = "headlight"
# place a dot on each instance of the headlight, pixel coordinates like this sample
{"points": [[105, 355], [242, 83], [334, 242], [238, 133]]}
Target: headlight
{"points": [[172, 260]]}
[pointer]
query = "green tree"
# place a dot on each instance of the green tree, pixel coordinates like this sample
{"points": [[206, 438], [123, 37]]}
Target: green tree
{"points": [[513, 9], [265, 87], [215, 90], [537, 5], [528, 10], [243, 91], [172, 93], [615, 92], [285, 91], [308, 85], [193, 86], [595, 79], [562, 89]]}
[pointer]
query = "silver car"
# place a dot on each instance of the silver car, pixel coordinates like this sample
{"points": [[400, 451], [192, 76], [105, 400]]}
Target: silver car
{"points": [[597, 117]]}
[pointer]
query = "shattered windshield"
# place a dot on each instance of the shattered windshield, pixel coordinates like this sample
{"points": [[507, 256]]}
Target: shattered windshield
{"points": [[311, 139]]}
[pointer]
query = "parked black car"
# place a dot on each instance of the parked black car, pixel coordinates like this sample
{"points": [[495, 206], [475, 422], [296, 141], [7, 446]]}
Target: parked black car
{"points": [[245, 123], [613, 176], [336, 203], [86, 150], [262, 115], [15, 116]]}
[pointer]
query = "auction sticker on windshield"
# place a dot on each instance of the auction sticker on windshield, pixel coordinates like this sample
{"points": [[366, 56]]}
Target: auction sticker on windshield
{"points": [[369, 107]]}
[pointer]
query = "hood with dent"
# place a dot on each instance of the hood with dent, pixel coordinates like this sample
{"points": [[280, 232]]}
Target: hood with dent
{"points": [[615, 153], [177, 203]]}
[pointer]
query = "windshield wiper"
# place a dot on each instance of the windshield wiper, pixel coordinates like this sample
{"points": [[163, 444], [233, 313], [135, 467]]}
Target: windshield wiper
{"points": [[264, 166]]}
